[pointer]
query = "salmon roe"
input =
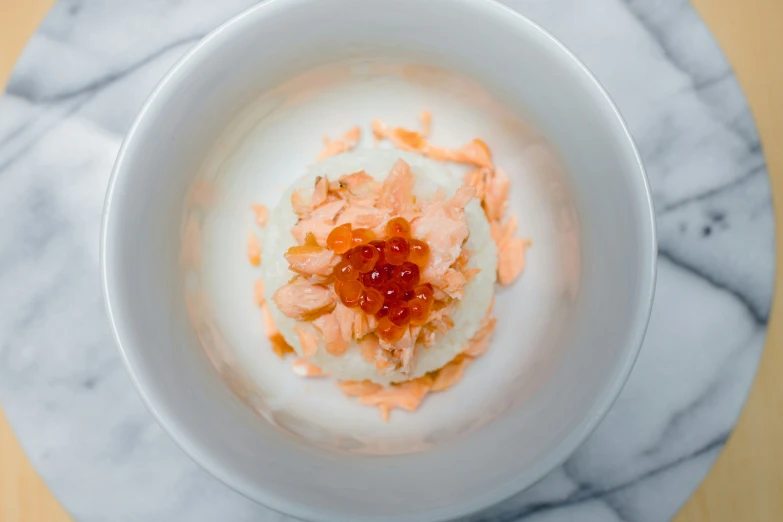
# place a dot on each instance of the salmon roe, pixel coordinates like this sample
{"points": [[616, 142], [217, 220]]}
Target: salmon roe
{"points": [[407, 275], [425, 293], [419, 310], [392, 291], [384, 311], [420, 252], [379, 246], [381, 276], [400, 313], [371, 301], [340, 239], [399, 227], [362, 236], [388, 331], [396, 250], [350, 293], [363, 257], [344, 271], [375, 278]]}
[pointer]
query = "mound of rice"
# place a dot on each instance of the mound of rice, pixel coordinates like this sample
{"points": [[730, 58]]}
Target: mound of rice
{"points": [[430, 176]]}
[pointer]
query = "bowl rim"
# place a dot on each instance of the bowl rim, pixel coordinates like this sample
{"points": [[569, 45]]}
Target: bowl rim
{"points": [[201, 454]]}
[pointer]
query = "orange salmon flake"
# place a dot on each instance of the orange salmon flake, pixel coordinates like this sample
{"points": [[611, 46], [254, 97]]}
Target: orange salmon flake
{"points": [[253, 250], [258, 292], [304, 368], [346, 142]]}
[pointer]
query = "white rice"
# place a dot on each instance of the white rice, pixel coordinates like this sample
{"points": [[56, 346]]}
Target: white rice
{"points": [[429, 175]]}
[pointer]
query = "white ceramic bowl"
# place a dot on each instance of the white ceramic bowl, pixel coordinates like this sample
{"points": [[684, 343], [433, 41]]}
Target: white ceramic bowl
{"points": [[586, 294]]}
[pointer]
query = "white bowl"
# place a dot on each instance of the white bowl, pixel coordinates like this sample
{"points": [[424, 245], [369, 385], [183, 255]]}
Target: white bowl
{"points": [[569, 330]]}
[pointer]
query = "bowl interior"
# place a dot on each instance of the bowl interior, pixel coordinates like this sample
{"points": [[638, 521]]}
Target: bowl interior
{"points": [[267, 148], [569, 330]]}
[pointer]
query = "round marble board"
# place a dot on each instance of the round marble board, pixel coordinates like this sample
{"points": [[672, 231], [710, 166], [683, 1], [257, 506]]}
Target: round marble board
{"points": [[74, 94]]}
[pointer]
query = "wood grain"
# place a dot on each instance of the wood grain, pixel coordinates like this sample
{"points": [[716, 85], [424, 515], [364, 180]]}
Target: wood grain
{"points": [[746, 482], [23, 495]]}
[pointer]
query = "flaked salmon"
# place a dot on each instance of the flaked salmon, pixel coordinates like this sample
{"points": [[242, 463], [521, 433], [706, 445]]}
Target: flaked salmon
{"points": [[329, 326], [308, 340], [369, 346], [312, 263], [346, 142], [511, 259], [355, 388], [397, 190], [280, 346], [475, 152], [253, 249], [406, 396], [303, 300], [258, 292], [480, 341], [450, 374], [444, 227], [304, 368]]}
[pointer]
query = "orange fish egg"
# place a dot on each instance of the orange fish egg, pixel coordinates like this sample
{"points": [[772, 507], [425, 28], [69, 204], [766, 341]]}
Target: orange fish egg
{"points": [[362, 236], [383, 312], [406, 275], [387, 271], [400, 313], [371, 301], [340, 239], [375, 278], [425, 293], [344, 271], [420, 252], [392, 292], [349, 292], [399, 227], [420, 310], [380, 246], [364, 257], [396, 251], [388, 331]]}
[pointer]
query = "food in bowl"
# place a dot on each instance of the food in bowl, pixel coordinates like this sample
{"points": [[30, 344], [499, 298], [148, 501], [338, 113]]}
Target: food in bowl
{"points": [[567, 332], [384, 277]]}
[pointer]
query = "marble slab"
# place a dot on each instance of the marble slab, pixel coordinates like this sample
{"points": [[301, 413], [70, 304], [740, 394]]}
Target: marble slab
{"points": [[75, 92]]}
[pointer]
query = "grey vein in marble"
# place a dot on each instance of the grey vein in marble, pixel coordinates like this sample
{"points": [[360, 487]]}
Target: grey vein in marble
{"points": [[74, 94]]}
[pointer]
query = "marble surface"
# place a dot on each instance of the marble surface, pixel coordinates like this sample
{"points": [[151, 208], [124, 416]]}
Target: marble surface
{"points": [[75, 92]]}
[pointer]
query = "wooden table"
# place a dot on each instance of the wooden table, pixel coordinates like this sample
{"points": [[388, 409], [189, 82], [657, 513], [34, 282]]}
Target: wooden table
{"points": [[747, 481]]}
